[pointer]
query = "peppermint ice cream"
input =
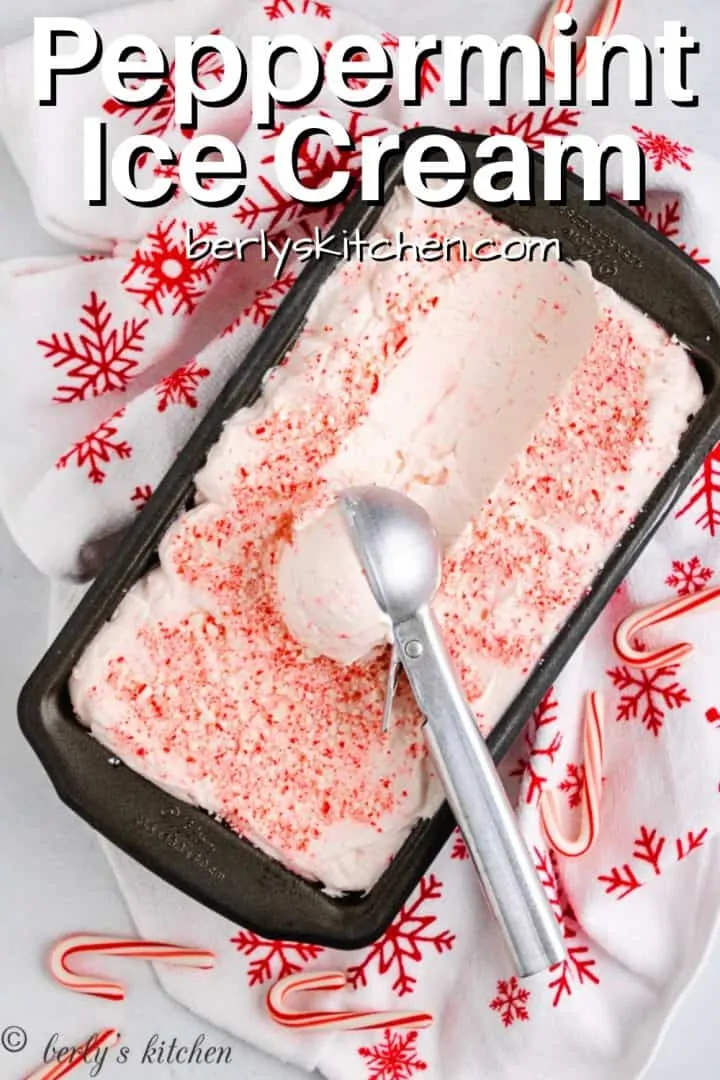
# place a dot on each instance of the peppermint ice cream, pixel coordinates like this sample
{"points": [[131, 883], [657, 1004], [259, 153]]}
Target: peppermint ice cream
{"points": [[247, 673]]}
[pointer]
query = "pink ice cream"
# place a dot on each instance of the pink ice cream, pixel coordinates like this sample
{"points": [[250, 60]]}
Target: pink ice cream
{"points": [[228, 678]]}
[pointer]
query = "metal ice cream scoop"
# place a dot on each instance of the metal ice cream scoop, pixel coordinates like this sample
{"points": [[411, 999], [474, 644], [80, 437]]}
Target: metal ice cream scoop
{"points": [[398, 549]]}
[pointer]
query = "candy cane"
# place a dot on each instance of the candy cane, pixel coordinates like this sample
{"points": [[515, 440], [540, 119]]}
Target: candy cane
{"points": [[143, 950], [56, 1069], [339, 1021], [590, 814], [546, 32], [602, 28], [656, 615]]}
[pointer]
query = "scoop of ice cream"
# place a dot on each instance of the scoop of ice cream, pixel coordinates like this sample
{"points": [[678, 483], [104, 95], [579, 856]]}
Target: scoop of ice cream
{"points": [[466, 391], [325, 597]]}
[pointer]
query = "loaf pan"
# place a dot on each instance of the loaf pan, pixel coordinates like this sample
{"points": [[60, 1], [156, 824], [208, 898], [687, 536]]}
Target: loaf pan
{"points": [[183, 844]]}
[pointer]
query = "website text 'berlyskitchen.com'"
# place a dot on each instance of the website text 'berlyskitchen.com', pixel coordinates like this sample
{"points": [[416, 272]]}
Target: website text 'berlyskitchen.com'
{"points": [[352, 245]]}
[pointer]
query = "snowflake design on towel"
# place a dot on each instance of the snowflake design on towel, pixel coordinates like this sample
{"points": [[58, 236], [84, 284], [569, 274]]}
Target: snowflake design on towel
{"points": [[429, 74], [660, 150], [666, 219], [280, 9], [648, 850], [317, 160], [685, 846], [459, 848], [180, 387], [510, 1001], [264, 304], [273, 959], [705, 494], [97, 449], [274, 209], [534, 128], [101, 358], [359, 55], [688, 577], [573, 784], [664, 216], [141, 495], [161, 273], [403, 942], [542, 747], [579, 967], [394, 1058], [648, 695], [158, 117]]}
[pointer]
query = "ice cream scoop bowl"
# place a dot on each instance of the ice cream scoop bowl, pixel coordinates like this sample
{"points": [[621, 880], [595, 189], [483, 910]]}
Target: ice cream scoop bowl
{"points": [[397, 546]]}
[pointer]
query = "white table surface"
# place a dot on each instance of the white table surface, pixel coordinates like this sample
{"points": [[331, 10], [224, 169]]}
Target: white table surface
{"points": [[54, 878]]}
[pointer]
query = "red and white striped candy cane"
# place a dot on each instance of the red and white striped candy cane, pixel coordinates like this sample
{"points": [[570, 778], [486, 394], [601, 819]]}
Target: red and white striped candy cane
{"points": [[546, 33], [591, 790], [338, 1021], [84, 944], [54, 1070], [656, 615], [602, 27]]}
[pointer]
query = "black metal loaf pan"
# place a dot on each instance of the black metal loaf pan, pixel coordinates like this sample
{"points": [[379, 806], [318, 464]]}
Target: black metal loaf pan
{"points": [[186, 846]]}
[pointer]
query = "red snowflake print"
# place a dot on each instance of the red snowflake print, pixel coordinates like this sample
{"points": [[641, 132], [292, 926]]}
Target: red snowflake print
{"points": [[579, 967], [97, 449], [649, 847], [695, 254], [688, 577], [278, 209], [666, 220], [140, 495], [317, 161], [574, 784], [712, 716], [691, 843], [459, 848], [429, 78], [394, 1058], [621, 881], [534, 129], [429, 75], [100, 358], [705, 495], [162, 274], [92, 258], [542, 745], [352, 83], [263, 307], [402, 943], [280, 9], [273, 959], [661, 151], [171, 172], [511, 1001], [158, 117], [179, 387], [648, 695]]}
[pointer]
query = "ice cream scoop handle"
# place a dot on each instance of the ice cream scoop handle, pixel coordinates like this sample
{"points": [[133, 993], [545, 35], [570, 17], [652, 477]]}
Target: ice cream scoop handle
{"points": [[478, 799]]}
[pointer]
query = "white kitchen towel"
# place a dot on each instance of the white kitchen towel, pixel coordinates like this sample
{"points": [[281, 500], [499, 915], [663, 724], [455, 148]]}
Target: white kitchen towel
{"points": [[110, 361]]}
